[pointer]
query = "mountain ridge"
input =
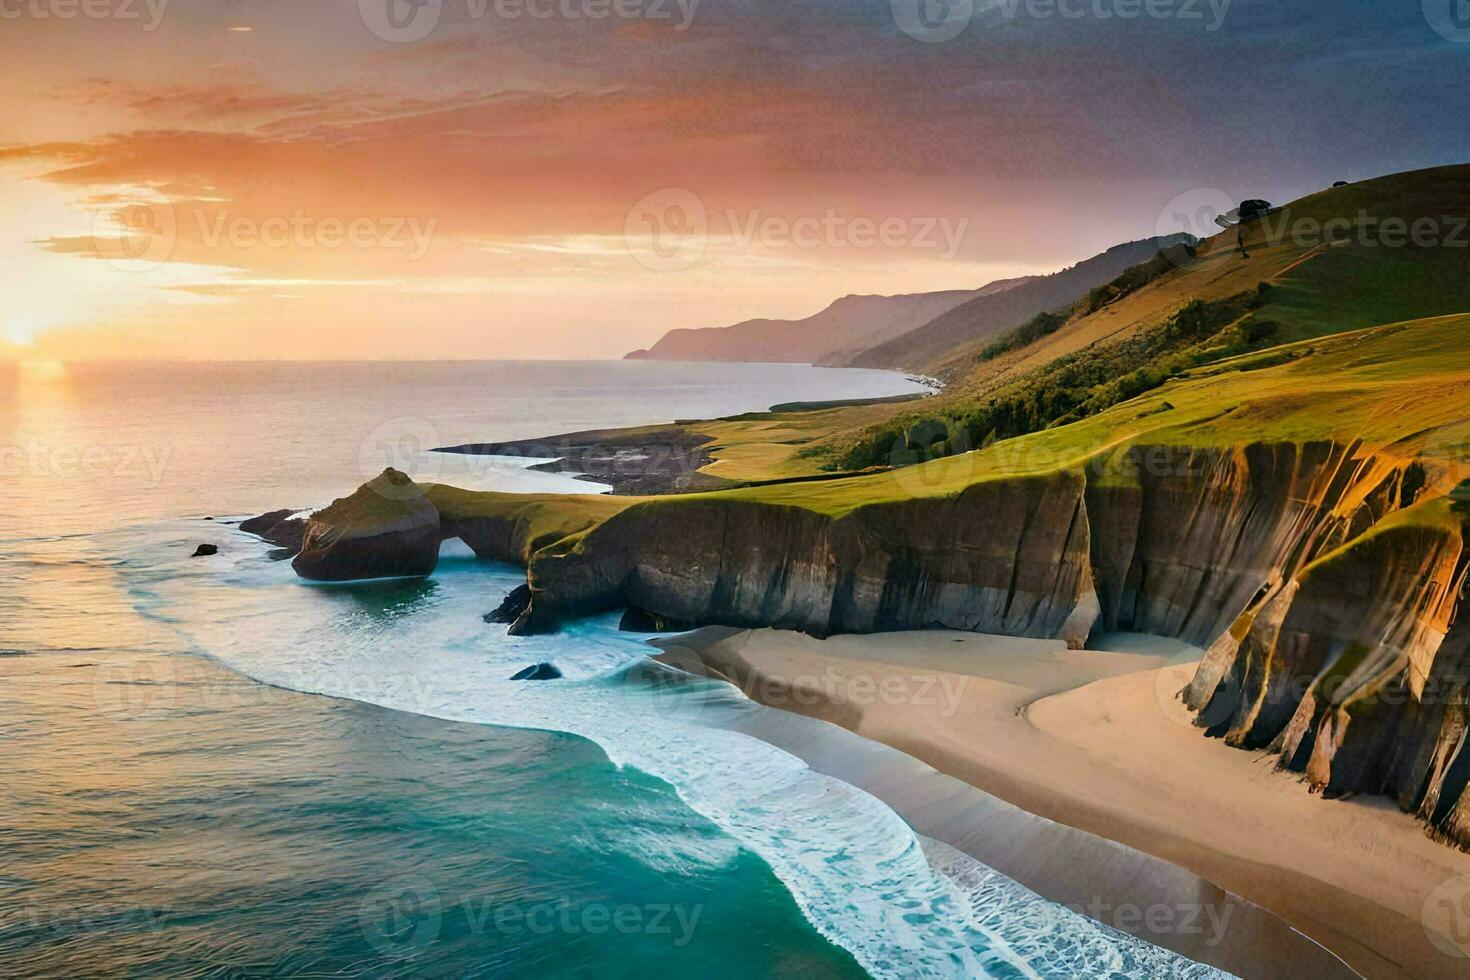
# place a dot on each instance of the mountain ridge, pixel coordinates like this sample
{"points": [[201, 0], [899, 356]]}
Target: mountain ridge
{"points": [[848, 324]]}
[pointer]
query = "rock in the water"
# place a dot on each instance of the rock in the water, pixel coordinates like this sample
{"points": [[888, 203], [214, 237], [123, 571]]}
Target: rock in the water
{"points": [[279, 528], [204, 550], [387, 529], [637, 620], [510, 610], [540, 672]]}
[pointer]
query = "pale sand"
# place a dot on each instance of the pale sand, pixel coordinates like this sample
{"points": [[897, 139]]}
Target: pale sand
{"points": [[1095, 740]]}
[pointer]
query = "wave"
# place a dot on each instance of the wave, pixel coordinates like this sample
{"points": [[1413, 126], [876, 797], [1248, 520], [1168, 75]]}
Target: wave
{"points": [[901, 905]]}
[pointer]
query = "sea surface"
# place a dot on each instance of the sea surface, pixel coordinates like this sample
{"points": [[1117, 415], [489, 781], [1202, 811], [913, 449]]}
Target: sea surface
{"points": [[215, 769]]}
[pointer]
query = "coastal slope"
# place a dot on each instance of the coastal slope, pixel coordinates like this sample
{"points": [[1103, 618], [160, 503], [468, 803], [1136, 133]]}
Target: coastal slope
{"points": [[851, 323], [982, 318], [1214, 447]]}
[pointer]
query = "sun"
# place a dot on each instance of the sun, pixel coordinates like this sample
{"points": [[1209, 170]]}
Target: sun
{"points": [[21, 330]]}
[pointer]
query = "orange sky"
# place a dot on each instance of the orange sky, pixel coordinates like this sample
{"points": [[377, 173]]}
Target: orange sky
{"points": [[179, 186]]}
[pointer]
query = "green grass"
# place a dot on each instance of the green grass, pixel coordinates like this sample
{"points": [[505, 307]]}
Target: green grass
{"points": [[1371, 344], [1404, 388]]}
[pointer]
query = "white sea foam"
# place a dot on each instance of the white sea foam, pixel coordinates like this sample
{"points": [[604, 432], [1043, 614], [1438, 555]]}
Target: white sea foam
{"points": [[858, 872]]}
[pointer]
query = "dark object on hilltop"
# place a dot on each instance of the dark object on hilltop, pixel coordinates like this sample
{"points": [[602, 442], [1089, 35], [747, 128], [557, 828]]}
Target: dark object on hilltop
{"points": [[279, 528], [637, 620], [1251, 210], [209, 518], [1340, 183], [510, 610], [204, 550], [540, 672]]}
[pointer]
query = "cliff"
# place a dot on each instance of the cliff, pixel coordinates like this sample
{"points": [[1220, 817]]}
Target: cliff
{"points": [[1324, 578], [848, 324], [1300, 514]]}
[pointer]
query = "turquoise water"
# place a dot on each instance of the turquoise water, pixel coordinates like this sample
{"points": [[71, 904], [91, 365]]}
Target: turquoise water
{"points": [[221, 770]]}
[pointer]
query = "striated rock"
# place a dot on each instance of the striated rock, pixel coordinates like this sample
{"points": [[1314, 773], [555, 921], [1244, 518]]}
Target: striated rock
{"points": [[538, 672], [387, 529], [1322, 579], [205, 550], [510, 610], [1008, 556]]}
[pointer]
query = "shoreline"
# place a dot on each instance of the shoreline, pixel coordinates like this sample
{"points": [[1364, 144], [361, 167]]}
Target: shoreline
{"points": [[661, 458], [1148, 812]]}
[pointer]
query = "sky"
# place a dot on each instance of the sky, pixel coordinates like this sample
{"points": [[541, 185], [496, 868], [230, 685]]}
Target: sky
{"points": [[345, 179]]}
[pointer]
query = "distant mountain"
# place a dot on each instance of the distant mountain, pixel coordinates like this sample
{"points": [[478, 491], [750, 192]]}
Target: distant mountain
{"points": [[981, 318], [851, 324]]}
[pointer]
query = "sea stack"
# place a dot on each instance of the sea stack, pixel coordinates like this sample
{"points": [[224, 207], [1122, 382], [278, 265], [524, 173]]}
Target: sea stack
{"points": [[387, 529]]}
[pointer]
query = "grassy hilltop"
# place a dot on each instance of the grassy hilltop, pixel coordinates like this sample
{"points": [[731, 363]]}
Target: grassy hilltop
{"points": [[1327, 329], [1386, 251]]}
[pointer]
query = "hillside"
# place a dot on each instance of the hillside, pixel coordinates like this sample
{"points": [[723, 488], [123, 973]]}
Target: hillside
{"points": [[1216, 449], [850, 323], [1324, 264], [927, 347]]}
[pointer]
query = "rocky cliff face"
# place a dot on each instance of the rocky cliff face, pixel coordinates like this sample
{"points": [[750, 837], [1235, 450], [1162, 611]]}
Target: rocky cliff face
{"points": [[1004, 557], [1323, 580], [386, 529]]}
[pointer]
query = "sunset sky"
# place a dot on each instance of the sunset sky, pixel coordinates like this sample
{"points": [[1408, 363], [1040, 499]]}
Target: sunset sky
{"points": [[273, 179]]}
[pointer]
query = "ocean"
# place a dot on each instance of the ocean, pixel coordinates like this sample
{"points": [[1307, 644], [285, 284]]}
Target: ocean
{"points": [[217, 769]]}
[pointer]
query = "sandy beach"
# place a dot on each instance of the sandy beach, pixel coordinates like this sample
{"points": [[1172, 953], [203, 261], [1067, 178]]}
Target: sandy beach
{"points": [[1095, 740]]}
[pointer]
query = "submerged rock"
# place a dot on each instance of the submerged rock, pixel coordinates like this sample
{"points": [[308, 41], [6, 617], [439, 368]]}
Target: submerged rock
{"points": [[204, 550], [510, 610], [387, 529], [539, 672]]}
